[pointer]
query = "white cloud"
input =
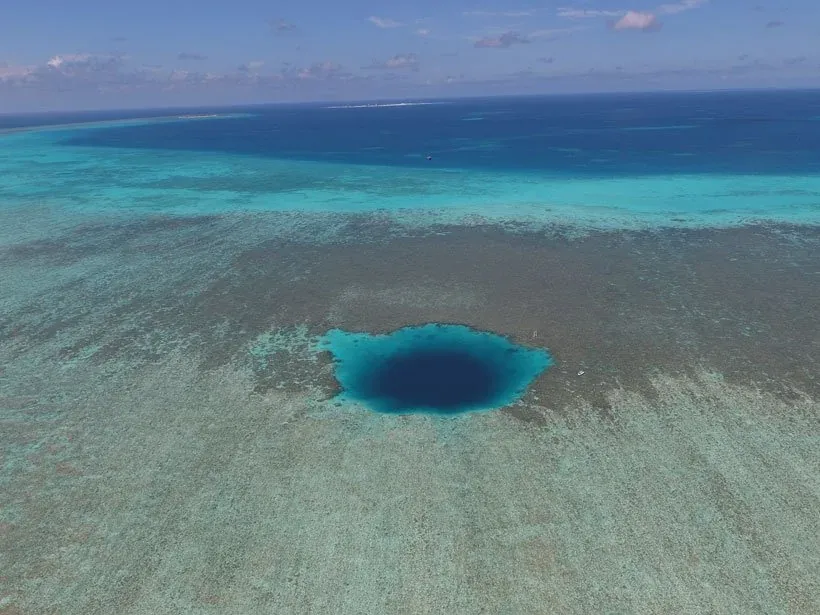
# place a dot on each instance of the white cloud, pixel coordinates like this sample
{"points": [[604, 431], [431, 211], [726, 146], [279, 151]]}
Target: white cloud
{"points": [[665, 9], [320, 70], [59, 61], [570, 13], [14, 73], [85, 72], [66, 77], [180, 75], [423, 32], [503, 41], [281, 26], [251, 66], [85, 63], [680, 7], [402, 61], [384, 22], [398, 62], [636, 20]]}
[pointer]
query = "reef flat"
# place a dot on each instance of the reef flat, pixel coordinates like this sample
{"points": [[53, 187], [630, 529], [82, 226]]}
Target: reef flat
{"points": [[172, 439]]}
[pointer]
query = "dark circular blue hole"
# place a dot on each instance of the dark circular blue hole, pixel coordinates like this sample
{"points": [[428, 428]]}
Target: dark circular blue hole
{"points": [[443, 379], [442, 369]]}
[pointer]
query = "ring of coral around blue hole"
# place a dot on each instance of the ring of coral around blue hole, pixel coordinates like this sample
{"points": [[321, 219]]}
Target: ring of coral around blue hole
{"points": [[434, 368]]}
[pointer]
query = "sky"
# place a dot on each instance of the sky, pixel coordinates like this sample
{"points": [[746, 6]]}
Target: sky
{"points": [[98, 54]]}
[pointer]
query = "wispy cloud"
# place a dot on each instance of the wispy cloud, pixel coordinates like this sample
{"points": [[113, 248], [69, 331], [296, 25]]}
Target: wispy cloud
{"points": [[76, 63], [636, 20], [59, 61], [320, 70], [620, 77], [9, 72], [794, 61], [505, 40], [250, 67], [679, 7], [521, 13], [83, 74], [670, 76], [664, 9], [775, 24], [402, 61], [64, 72], [191, 56], [281, 26], [384, 22], [573, 13], [423, 31]]}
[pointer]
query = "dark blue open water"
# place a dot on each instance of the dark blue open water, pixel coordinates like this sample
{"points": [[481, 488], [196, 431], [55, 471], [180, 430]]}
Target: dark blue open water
{"points": [[603, 135], [626, 160]]}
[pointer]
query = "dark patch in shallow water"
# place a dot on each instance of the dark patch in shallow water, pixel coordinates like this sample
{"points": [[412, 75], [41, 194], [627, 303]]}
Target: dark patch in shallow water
{"points": [[441, 369]]}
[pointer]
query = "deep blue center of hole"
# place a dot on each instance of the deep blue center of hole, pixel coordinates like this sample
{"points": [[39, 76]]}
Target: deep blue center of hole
{"points": [[443, 379], [441, 369]]}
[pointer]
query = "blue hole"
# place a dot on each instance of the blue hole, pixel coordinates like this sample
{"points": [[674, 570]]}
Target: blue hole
{"points": [[440, 369]]}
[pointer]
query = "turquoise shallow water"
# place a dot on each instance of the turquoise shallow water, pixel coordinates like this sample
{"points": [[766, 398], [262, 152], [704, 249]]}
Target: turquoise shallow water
{"points": [[96, 169]]}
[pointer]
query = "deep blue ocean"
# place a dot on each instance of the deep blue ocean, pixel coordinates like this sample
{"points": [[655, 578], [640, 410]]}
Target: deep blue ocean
{"points": [[734, 156]]}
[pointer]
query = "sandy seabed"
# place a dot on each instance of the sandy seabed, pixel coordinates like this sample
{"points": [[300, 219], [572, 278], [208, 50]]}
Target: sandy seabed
{"points": [[165, 450]]}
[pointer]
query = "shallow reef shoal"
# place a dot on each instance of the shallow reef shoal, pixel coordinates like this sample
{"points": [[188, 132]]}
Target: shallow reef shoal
{"points": [[173, 439]]}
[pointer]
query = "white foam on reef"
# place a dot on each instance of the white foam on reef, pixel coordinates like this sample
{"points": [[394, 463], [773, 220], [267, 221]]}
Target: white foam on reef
{"points": [[396, 104]]}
